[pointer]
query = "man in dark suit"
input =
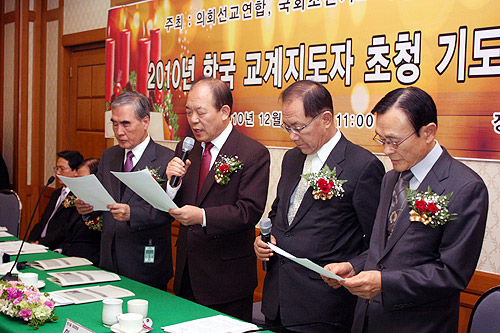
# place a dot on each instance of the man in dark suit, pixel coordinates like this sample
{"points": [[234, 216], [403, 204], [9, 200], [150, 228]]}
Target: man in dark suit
{"points": [[410, 278], [135, 240], [323, 231], [215, 263], [59, 213], [83, 238]]}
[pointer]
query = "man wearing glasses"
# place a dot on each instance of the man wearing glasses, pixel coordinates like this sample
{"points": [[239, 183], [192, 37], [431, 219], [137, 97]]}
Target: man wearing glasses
{"points": [[323, 231], [50, 231], [410, 278]]}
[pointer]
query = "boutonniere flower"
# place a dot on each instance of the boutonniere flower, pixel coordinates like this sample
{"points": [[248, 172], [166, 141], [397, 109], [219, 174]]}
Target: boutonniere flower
{"points": [[26, 303], [429, 208], [224, 167], [155, 173], [95, 224], [325, 183], [69, 201]]}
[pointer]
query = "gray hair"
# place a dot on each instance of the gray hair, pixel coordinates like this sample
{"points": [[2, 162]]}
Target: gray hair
{"points": [[141, 103]]}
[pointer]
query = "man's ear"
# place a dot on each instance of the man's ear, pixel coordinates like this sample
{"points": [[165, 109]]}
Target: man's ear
{"points": [[226, 112], [429, 132]]}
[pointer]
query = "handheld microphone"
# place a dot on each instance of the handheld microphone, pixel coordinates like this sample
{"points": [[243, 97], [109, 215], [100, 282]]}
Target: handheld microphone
{"points": [[187, 145], [265, 233], [8, 276]]}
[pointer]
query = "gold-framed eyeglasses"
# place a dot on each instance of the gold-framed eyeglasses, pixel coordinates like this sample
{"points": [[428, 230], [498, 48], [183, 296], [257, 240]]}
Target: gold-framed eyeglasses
{"points": [[296, 130], [59, 168], [377, 138]]}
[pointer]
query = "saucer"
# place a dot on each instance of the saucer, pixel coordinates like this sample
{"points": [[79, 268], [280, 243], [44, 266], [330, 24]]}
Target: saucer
{"points": [[116, 329], [40, 284]]}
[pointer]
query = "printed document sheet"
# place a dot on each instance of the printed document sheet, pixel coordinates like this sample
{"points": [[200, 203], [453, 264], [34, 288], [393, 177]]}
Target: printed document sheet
{"points": [[90, 190], [142, 183], [305, 262]]}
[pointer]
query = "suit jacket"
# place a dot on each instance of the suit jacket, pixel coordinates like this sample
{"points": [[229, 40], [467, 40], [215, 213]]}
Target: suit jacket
{"points": [[81, 241], [56, 232], [220, 257], [123, 243], [323, 231], [424, 269]]}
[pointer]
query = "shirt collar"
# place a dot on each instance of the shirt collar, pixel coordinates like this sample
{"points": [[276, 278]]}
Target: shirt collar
{"points": [[422, 168], [138, 150], [327, 148], [219, 141]]}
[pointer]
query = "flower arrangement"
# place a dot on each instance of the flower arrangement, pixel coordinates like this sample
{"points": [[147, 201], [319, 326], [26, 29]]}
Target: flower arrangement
{"points": [[95, 224], [224, 167], [155, 173], [325, 183], [429, 208], [69, 201], [20, 301]]}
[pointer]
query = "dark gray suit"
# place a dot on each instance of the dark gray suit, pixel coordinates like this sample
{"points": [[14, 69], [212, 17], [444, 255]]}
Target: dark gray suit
{"points": [[324, 231], [424, 269], [123, 243]]}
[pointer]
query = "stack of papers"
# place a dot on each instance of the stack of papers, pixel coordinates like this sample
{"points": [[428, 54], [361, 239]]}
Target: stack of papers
{"points": [[13, 247], [75, 278], [88, 294], [215, 324], [50, 264]]}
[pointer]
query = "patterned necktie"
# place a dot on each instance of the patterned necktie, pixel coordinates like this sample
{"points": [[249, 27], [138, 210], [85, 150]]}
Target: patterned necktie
{"points": [[206, 158], [301, 189], [129, 164], [61, 198], [398, 200]]}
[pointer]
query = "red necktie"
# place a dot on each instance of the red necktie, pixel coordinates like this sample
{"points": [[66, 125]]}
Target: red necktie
{"points": [[206, 158], [129, 164]]}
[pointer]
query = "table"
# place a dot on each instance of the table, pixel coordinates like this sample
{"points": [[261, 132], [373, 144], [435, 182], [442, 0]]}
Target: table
{"points": [[164, 308]]}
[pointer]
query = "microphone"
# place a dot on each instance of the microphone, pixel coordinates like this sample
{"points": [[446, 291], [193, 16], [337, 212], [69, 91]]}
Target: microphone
{"points": [[187, 145], [265, 233], [8, 276]]}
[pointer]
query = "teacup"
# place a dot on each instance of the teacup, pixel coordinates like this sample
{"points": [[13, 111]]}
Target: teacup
{"points": [[130, 322], [29, 279]]}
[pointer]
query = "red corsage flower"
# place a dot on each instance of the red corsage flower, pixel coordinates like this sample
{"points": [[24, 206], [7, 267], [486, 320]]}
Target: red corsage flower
{"points": [[224, 169]]}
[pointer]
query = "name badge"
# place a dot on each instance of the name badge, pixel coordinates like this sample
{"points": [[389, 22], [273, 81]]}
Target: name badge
{"points": [[149, 254]]}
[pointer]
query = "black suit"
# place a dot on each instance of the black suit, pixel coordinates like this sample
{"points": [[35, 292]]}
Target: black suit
{"points": [[123, 244], [82, 241], [323, 231], [220, 258], [56, 231], [424, 269]]}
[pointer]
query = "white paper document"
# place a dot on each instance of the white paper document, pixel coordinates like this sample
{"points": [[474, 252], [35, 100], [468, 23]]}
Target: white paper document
{"points": [[142, 183], [215, 324], [12, 248], [5, 234], [305, 262], [90, 190], [88, 294]]}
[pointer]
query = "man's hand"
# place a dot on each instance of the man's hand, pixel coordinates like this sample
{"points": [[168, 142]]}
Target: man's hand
{"points": [[83, 208], [120, 212], [176, 167], [367, 284], [262, 251], [187, 215], [342, 269]]}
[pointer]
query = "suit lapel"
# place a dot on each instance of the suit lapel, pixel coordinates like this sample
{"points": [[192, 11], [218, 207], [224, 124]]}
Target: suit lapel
{"points": [[336, 157], [229, 149], [147, 159], [436, 175]]}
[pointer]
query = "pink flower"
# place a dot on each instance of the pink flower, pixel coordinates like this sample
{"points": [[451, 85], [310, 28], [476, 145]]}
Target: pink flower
{"points": [[49, 304], [25, 314]]}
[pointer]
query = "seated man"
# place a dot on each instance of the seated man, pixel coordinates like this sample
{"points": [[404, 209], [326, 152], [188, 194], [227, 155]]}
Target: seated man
{"points": [[59, 213], [83, 238]]}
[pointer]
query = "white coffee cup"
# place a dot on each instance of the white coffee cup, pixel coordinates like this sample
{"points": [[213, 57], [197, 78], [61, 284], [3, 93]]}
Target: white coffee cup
{"points": [[29, 279], [111, 309], [139, 306], [130, 322]]}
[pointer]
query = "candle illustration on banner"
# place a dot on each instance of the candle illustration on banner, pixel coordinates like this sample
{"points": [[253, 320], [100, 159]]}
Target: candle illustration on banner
{"points": [[142, 65], [124, 66], [110, 69]]}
